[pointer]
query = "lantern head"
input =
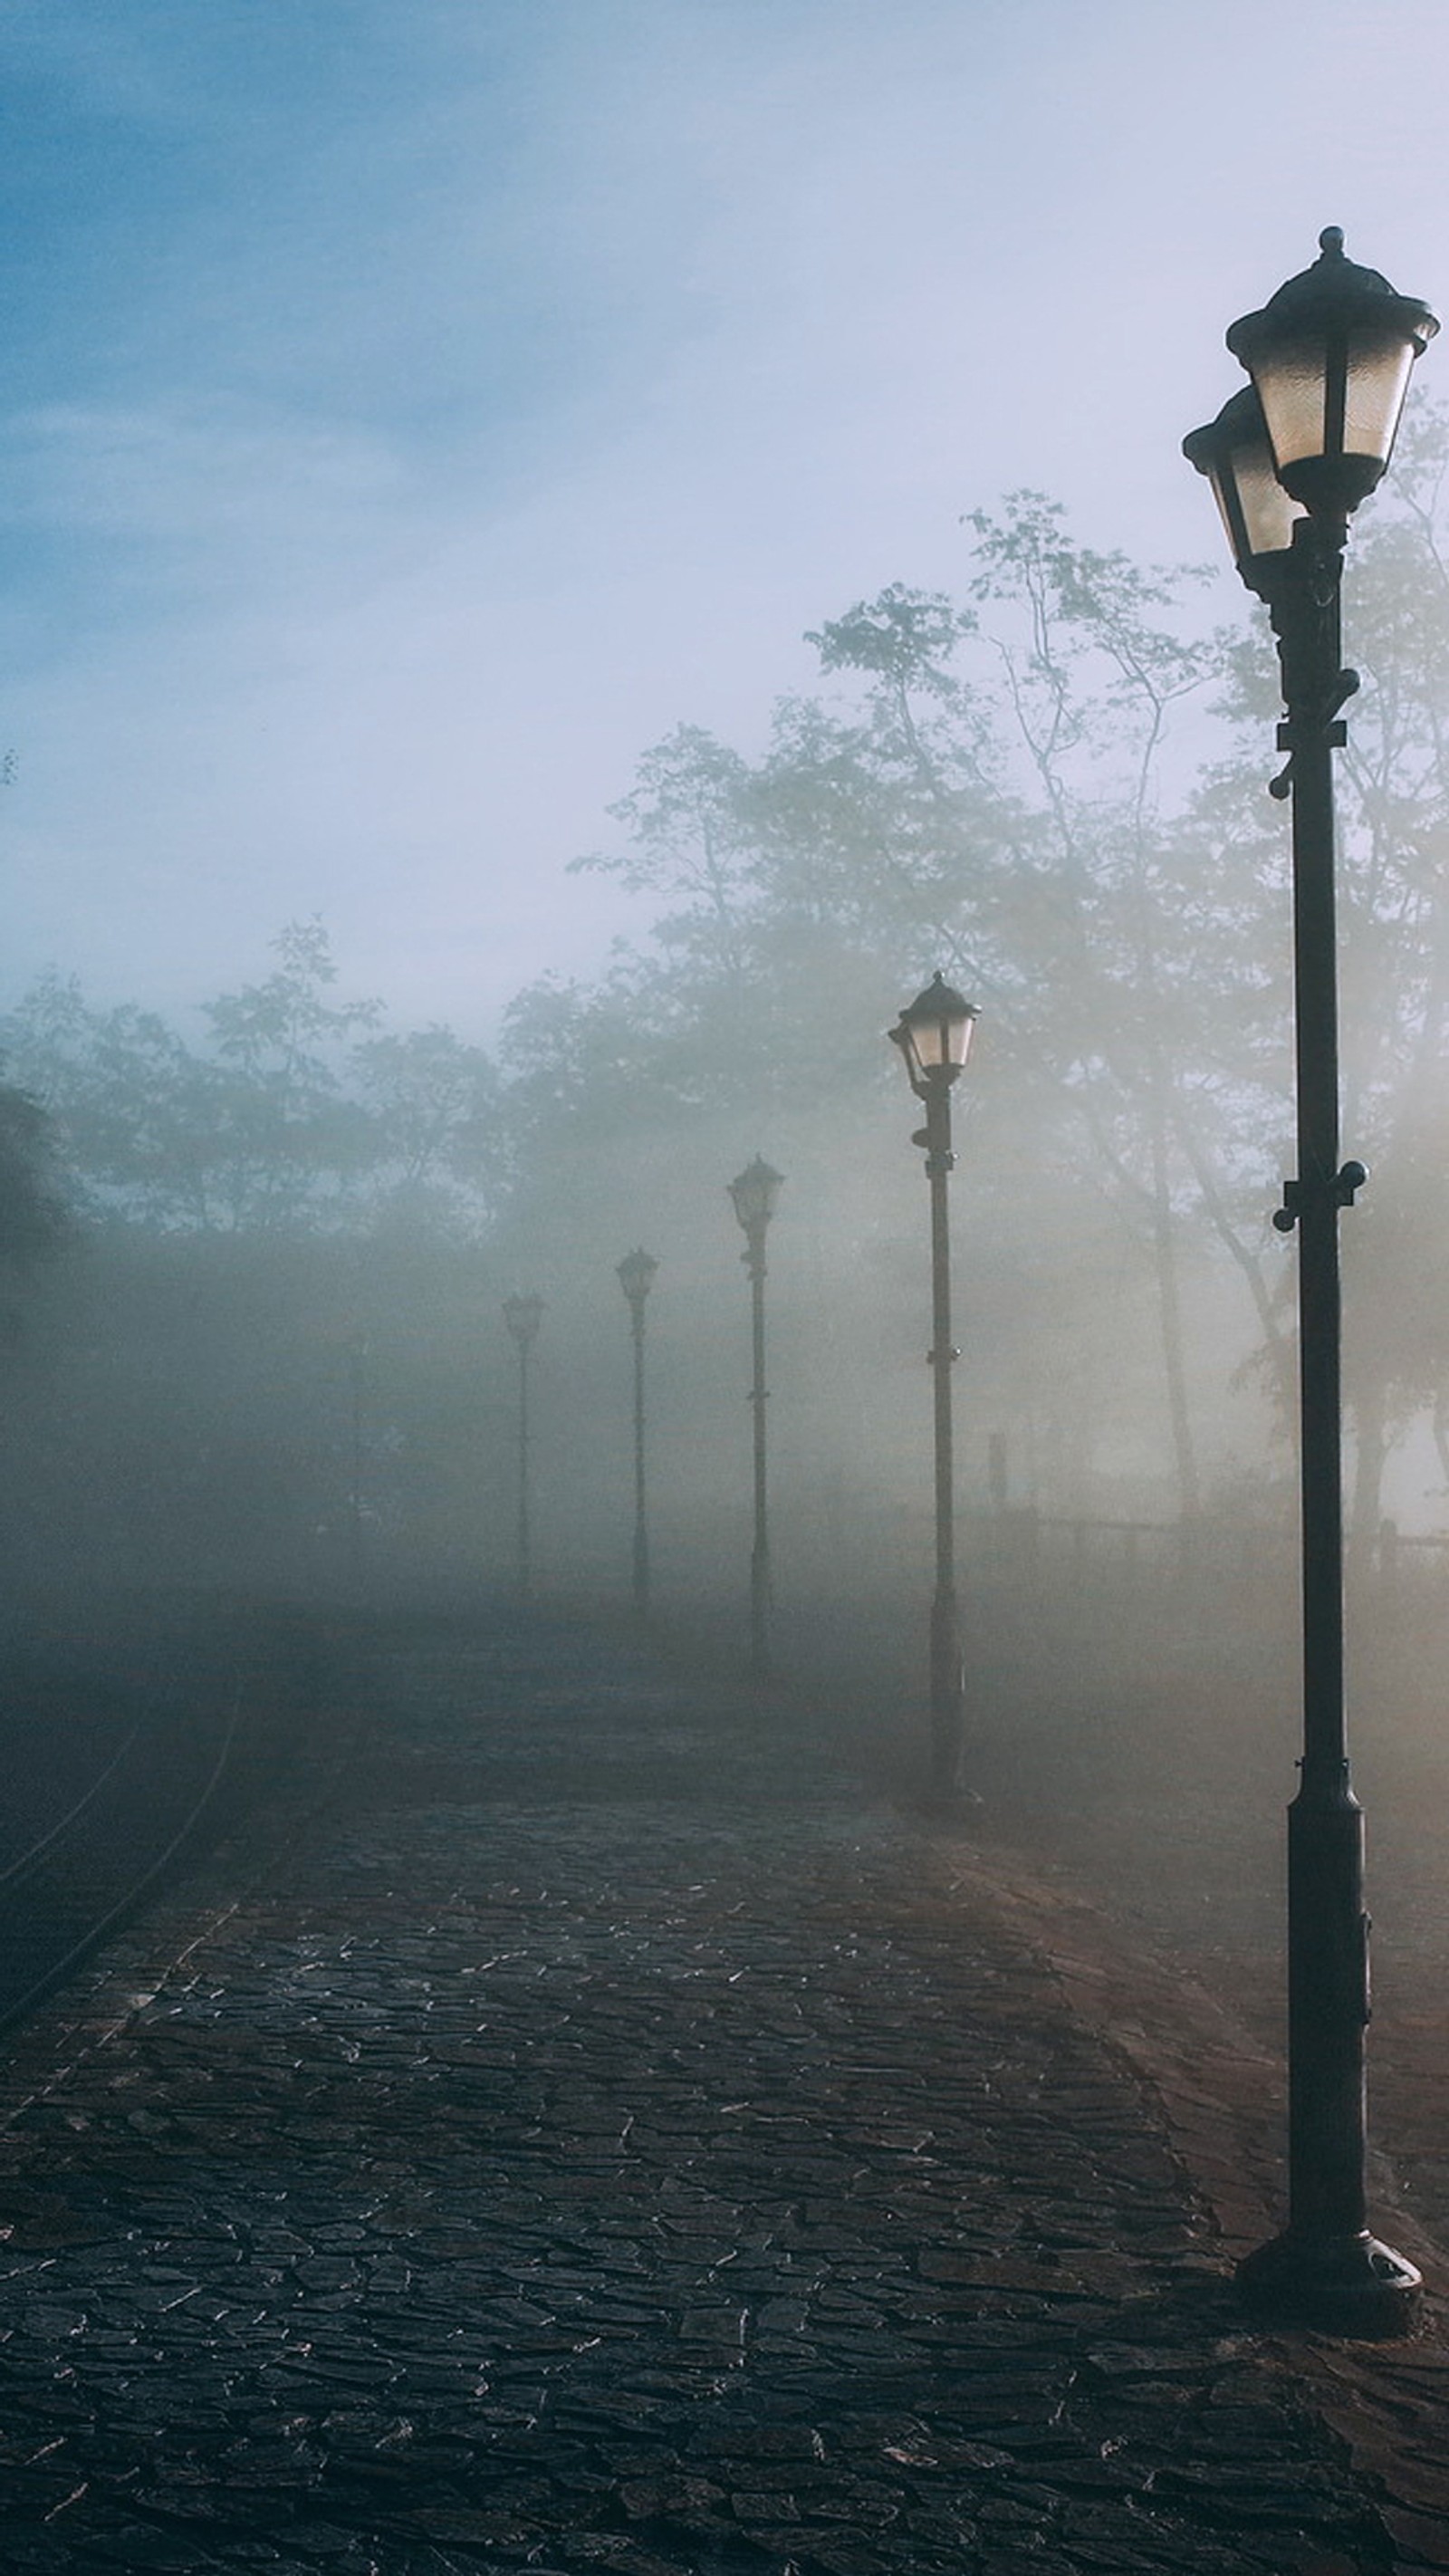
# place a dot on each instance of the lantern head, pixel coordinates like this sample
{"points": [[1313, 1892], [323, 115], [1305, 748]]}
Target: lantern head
{"points": [[523, 1316], [934, 1035], [636, 1275], [756, 1193], [1330, 355]]}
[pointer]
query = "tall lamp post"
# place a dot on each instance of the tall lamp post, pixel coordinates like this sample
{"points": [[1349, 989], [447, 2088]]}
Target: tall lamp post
{"points": [[934, 1037], [1290, 457], [636, 1278], [523, 1316], [357, 1388], [756, 1193]]}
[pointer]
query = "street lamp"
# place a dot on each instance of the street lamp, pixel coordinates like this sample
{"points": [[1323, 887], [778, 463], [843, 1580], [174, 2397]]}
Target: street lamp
{"points": [[357, 1385], [934, 1037], [523, 1316], [756, 1193], [636, 1278], [1290, 458]]}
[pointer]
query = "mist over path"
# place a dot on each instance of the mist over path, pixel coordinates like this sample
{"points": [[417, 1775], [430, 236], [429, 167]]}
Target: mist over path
{"points": [[608, 2133]]}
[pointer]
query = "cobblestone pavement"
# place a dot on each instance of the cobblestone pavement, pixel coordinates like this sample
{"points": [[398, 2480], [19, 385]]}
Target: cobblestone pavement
{"points": [[604, 2138]]}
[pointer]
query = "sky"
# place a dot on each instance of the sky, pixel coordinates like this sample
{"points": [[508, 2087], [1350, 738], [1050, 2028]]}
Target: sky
{"points": [[410, 415]]}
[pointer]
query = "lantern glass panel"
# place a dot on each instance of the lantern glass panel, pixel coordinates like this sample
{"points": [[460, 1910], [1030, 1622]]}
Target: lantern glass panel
{"points": [[1225, 514], [1378, 379], [929, 1040], [957, 1036], [1292, 380], [1269, 513], [904, 1037]]}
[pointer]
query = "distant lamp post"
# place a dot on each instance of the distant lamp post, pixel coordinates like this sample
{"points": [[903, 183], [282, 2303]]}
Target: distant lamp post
{"points": [[523, 1316], [934, 1037], [357, 1388], [636, 1278], [756, 1194], [1290, 457]]}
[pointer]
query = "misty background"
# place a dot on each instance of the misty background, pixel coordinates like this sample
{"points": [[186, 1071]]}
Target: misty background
{"points": [[560, 561], [406, 422]]}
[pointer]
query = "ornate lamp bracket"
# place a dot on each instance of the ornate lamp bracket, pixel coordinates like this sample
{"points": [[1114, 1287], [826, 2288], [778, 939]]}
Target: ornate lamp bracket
{"points": [[1320, 723], [1340, 1191]]}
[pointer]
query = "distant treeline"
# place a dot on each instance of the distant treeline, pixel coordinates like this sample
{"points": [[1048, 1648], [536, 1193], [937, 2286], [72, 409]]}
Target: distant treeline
{"points": [[1053, 788]]}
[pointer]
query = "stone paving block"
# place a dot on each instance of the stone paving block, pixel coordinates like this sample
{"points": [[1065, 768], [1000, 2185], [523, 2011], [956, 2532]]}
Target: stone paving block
{"points": [[606, 2137]]}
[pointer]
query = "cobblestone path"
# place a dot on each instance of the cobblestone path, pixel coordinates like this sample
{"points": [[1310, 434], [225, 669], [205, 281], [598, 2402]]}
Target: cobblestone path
{"points": [[602, 2142]]}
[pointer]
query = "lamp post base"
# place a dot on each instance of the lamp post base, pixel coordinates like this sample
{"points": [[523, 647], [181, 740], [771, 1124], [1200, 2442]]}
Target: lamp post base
{"points": [[1342, 2285], [948, 1694], [760, 1663]]}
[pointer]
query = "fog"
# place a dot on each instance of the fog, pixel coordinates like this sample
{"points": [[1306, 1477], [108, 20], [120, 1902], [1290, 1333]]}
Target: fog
{"points": [[737, 448]]}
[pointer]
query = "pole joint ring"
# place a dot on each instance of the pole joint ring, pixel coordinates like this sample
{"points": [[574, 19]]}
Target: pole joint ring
{"points": [[1340, 1191], [1316, 723]]}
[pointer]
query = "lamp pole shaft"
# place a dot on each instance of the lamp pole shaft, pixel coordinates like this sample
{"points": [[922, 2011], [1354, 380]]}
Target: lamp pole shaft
{"points": [[1327, 1925], [641, 1526], [354, 1517], [759, 1398], [525, 1553], [948, 1702], [1325, 2269]]}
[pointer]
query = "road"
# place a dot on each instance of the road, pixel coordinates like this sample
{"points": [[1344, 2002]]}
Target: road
{"points": [[592, 2126]]}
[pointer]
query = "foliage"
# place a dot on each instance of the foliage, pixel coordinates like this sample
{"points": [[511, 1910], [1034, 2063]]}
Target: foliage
{"points": [[33, 1213], [1053, 788], [300, 1114], [1055, 791]]}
